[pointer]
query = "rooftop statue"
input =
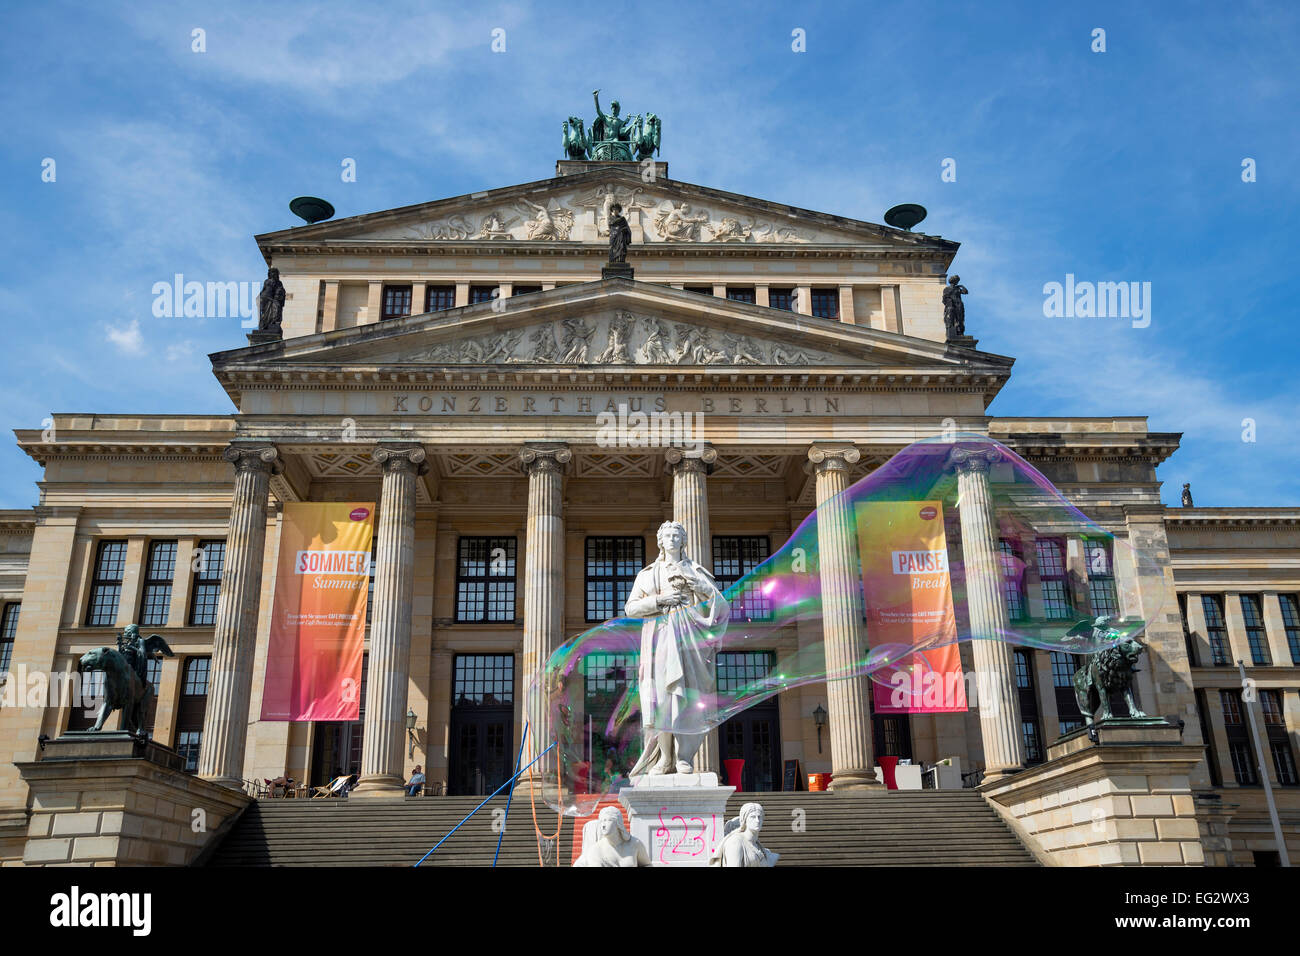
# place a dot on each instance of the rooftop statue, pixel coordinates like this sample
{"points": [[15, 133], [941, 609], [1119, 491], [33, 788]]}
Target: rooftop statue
{"points": [[613, 136], [954, 310], [270, 302]]}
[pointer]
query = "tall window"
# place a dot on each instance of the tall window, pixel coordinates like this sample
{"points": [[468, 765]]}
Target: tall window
{"points": [[783, 299], [826, 303], [740, 293], [1239, 749], [1028, 706], [156, 598], [481, 293], [193, 706], [1291, 622], [1279, 743], [735, 557], [1215, 629], [83, 712], [439, 297], [1255, 635], [485, 579], [611, 570], [1101, 578], [1067, 707], [1052, 573], [397, 301], [8, 631], [106, 585], [370, 586], [1013, 578], [208, 562], [605, 679], [153, 674]]}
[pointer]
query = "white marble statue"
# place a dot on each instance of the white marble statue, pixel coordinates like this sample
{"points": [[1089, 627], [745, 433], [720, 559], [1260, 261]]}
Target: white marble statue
{"points": [[613, 845], [685, 615], [740, 846]]}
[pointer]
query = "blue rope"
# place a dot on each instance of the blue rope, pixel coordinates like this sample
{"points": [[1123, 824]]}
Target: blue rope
{"points": [[510, 796], [483, 804]]}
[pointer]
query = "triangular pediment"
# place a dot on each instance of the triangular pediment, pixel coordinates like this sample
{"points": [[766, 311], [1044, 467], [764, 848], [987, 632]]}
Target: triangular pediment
{"points": [[614, 324], [574, 209]]}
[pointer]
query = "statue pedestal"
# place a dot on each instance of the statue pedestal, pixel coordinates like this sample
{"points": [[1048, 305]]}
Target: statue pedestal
{"points": [[261, 338], [964, 341], [678, 816], [111, 799], [616, 270]]}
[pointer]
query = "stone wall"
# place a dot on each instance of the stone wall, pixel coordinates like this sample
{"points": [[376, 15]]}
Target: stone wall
{"points": [[1124, 800]]}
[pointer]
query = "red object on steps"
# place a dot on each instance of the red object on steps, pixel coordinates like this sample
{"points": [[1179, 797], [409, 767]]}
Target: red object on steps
{"points": [[735, 767], [887, 765]]}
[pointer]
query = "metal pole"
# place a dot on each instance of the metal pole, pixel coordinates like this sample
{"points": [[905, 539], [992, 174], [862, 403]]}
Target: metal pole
{"points": [[482, 805], [1263, 770], [510, 796]]}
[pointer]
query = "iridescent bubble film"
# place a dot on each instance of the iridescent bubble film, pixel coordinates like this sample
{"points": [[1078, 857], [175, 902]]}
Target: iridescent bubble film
{"points": [[882, 580]]}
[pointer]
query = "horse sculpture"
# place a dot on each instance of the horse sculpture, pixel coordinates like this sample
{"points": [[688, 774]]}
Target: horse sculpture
{"points": [[645, 139], [575, 143], [125, 688]]}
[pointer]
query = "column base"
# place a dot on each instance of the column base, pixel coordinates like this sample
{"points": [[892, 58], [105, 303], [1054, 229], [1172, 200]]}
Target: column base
{"points": [[844, 781], [1000, 774], [378, 785], [234, 783]]}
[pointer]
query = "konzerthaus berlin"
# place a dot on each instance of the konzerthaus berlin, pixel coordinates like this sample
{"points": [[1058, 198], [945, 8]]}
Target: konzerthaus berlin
{"points": [[472, 342]]}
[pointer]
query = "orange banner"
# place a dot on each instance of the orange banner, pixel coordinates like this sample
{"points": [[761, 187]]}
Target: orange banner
{"points": [[318, 618], [908, 591]]}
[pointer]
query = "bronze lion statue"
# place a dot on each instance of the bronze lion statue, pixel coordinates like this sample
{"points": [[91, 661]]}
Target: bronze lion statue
{"points": [[1106, 671]]}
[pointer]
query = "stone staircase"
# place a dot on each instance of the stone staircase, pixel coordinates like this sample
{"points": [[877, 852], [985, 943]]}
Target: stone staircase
{"points": [[898, 828]]}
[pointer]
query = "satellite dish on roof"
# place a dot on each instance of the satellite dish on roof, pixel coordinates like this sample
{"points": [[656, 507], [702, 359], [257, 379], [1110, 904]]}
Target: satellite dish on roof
{"points": [[905, 216], [311, 209]]}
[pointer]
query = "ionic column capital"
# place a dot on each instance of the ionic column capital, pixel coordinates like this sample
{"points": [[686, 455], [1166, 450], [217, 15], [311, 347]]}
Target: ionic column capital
{"points": [[545, 459], [971, 460], [253, 457], [411, 459], [833, 456], [698, 462]]}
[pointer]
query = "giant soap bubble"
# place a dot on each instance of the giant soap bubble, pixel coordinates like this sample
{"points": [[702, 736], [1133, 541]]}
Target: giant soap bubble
{"points": [[886, 559]]}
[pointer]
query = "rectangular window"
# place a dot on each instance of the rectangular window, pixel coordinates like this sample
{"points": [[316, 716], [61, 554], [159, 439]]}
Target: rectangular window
{"points": [[485, 579], [741, 293], [1024, 670], [783, 299], [1063, 667], [8, 631], [733, 558], [484, 680], [1243, 765], [370, 587], [826, 303], [397, 301], [82, 714], [191, 710], [209, 560], [1052, 573], [524, 290], [437, 298], [106, 585], [156, 598], [1231, 700], [1283, 762], [1255, 635], [1291, 622], [1270, 702], [611, 569], [700, 289], [482, 293], [1033, 741], [1070, 724], [1013, 579], [605, 679], [1101, 579], [1215, 629], [744, 673]]}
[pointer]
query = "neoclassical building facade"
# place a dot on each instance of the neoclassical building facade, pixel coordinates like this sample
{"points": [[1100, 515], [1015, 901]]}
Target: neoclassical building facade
{"points": [[452, 361]]}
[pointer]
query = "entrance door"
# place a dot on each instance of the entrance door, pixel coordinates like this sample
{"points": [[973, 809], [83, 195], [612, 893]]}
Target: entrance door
{"points": [[482, 723], [753, 735]]}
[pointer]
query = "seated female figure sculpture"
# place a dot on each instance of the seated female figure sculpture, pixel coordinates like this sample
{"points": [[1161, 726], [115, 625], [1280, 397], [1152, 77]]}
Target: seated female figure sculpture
{"points": [[685, 616], [613, 845], [740, 846]]}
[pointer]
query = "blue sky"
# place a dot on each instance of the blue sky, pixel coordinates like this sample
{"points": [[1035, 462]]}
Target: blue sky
{"points": [[1123, 165]]}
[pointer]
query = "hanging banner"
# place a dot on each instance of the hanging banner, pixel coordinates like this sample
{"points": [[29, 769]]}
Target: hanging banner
{"points": [[318, 618], [908, 591]]}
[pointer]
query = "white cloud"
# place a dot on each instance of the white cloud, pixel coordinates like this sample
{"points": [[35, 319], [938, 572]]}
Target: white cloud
{"points": [[127, 338], [179, 350]]}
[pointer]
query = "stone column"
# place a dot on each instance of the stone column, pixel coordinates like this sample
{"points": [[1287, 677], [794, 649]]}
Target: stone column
{"points": [[384, 733], [225, 725], [690, 472], [995, 668], [848, 697], [543, 587]]}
